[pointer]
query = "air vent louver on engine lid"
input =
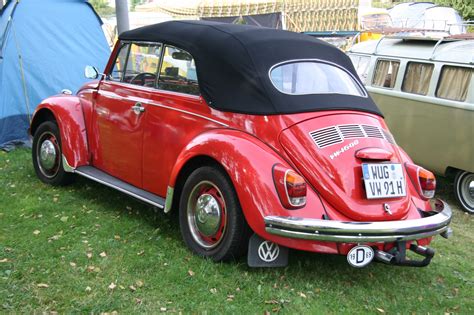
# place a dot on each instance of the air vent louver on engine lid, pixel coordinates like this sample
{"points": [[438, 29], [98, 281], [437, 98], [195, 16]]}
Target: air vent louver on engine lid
{"points": [[335, 134]]}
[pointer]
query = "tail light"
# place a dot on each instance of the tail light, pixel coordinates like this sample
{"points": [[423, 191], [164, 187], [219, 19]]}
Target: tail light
{"points": [[424, 181], [291, 187], [427, 182]]}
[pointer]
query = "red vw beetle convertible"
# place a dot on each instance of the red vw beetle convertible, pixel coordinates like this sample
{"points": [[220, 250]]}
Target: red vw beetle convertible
{"points": [[262, 139]]}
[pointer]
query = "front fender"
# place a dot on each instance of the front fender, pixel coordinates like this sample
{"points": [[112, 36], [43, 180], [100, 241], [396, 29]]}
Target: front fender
{"points": [[67, 111], [249, 162]]}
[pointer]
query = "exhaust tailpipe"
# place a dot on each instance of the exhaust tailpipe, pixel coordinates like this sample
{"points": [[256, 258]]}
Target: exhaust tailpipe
{"points": [[384, 257]]}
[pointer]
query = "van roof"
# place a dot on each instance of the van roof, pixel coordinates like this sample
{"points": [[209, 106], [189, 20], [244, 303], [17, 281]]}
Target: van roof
{"points": [[456, 51]]}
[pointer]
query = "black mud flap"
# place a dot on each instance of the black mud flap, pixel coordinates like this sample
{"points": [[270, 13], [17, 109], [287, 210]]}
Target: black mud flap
{"points": [[264, 253]]}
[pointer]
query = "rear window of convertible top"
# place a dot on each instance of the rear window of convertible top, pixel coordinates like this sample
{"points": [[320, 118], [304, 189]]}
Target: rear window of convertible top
{"points": [[310, 77]]}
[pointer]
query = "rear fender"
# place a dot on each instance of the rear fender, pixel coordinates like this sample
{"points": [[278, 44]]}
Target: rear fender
{"points": [[67, 111], [248, 162]]}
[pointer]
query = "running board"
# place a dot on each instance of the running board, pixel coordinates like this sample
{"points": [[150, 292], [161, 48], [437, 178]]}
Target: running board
{"points": [[115, 183]]}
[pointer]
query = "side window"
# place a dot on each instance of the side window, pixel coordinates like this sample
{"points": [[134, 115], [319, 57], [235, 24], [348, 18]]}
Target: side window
{"points": [[142, 64], [361, 64], [454, 83], [386, 73], [178, 72], [119, 67], [417, 78]]}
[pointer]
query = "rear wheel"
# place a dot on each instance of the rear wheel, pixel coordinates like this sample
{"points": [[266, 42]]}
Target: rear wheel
{"points": [[211, 219], [47, 155], [464, 190]]}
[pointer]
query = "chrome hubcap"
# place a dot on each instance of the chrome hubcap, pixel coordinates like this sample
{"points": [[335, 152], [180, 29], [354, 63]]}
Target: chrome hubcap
{"points": [[471, 188], [206, 214], [467, 189], [48, 155]]}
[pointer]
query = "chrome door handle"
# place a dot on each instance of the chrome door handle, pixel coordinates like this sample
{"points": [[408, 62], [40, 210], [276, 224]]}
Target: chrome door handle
{"points": [[138, 108]]}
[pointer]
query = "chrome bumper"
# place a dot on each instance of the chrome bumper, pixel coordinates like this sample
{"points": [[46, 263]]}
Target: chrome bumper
{"points": [[362, 232]]}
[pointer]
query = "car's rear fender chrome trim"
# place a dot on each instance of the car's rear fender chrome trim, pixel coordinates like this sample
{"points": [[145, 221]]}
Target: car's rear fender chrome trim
{"points": [[66, 166], [169, 199], [361, 232]]}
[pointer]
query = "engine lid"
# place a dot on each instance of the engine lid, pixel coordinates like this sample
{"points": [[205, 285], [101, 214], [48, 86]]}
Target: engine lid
{"points": [[329, 152]]}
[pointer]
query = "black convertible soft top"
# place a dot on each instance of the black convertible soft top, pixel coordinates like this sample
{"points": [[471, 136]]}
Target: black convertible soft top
{"points": [[233, 63]]}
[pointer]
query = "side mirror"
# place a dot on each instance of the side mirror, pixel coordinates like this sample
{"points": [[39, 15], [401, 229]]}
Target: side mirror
{"points": [[91, 72]]}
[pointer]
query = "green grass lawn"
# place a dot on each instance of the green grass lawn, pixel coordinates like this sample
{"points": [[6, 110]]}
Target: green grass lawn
{"points": [[87, 248]]}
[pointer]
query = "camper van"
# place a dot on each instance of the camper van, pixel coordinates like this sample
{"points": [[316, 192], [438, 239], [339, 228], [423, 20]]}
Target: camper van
{"points": [[425, 89]]}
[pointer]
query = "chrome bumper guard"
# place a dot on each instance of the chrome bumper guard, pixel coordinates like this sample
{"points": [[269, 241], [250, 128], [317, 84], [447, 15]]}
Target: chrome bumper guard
{"points": [[363, 232]]}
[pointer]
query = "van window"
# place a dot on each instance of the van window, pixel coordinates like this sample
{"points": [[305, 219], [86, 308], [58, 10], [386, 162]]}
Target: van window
{"points": [[361, 64], [417, 78], [454, 83], [178, 72], [386, 73]]}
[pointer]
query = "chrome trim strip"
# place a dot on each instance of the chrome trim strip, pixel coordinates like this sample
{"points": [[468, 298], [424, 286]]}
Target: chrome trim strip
{"points": [[187, 112], [151, 89], [337, 231], [169, 199], [151, 103], [140, 41], [159, 205], [66, 166]]}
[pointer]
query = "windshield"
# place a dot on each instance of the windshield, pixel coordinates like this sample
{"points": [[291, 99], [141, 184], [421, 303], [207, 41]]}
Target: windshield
{"points": [[310, 77]]}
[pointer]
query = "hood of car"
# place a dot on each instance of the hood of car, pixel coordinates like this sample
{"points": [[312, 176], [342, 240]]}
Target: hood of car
{"points": [[331, 151]]}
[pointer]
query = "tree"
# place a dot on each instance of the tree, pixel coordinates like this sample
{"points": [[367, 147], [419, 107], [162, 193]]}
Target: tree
{"points": [[134, 3], [102, 7], [464, 7]]}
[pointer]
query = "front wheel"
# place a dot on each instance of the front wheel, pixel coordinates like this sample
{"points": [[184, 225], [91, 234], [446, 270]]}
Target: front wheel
{"points": [[464, 190], [211, 219], [47, 155]]}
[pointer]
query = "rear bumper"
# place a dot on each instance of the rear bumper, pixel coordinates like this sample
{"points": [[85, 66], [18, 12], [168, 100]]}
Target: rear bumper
{"points": [[361, 232]]}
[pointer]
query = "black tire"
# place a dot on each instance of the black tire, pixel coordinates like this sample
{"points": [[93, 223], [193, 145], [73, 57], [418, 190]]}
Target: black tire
{"points": [[228, 233], [54, 175], [464, 190]]}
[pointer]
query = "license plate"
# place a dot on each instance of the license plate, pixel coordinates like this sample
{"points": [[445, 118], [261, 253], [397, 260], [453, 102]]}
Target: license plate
{"points": [[360, 256], [383, 180]]}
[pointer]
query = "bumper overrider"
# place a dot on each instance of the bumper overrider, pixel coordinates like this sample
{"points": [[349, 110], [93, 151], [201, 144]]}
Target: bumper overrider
{"points": [[436, 222]]}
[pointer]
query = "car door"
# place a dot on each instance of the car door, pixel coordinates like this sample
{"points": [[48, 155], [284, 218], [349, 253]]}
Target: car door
{"points": [[176, 114], [120, 111]]}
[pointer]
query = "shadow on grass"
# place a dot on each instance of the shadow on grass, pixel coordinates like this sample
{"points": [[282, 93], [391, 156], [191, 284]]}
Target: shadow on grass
{"points": [[108, 198]]}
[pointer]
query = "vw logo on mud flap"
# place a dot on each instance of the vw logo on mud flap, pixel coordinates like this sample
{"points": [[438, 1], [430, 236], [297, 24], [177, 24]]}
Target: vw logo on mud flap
{"points": [[268, 251]]}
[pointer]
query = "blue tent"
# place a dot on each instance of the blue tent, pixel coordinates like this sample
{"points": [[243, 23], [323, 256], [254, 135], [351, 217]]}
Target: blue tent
{"points": [[44, 47]]}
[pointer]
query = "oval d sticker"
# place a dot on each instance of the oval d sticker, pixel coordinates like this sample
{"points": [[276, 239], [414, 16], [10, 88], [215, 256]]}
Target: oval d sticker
{"points": [[360, 256]]}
